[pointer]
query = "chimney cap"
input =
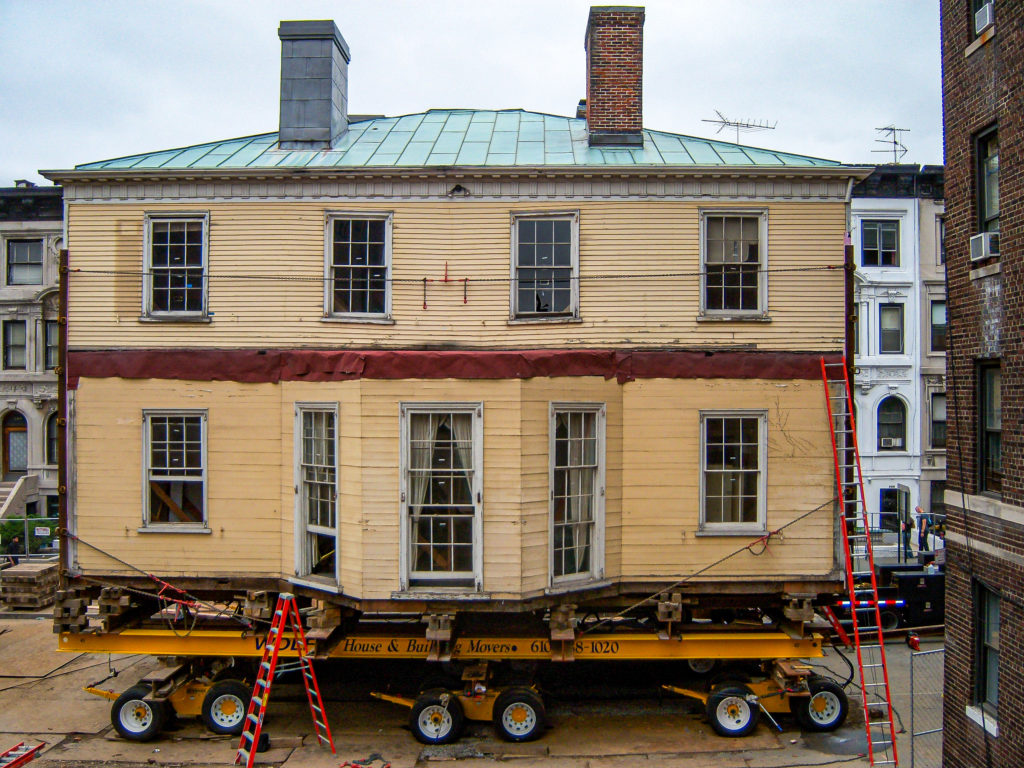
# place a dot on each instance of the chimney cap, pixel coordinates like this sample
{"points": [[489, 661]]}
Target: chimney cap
{"points": [[324, 29]]}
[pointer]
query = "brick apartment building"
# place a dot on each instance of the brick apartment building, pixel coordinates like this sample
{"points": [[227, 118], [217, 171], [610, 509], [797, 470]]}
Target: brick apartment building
{"points": [[983, 68]]}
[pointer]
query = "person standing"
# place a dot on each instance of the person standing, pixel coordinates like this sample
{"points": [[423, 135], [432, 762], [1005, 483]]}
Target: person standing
{"points": [[14, 549]]}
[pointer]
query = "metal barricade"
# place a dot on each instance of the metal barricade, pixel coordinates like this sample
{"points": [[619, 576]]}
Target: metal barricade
{"points": [[36, 538], [926, 708]]}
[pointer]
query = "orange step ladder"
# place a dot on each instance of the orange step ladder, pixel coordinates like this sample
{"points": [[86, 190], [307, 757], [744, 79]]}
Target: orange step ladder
{"points": [[18, 755], [860, 566], [286, 616]]}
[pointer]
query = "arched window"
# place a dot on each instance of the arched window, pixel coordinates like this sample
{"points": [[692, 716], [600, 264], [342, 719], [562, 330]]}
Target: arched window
{"points": [[892, 425], [51, 439], [15, 446]]}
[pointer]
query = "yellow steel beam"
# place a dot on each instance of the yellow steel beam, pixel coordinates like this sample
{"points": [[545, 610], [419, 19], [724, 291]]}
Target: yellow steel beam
{"points": [[617, 646]]}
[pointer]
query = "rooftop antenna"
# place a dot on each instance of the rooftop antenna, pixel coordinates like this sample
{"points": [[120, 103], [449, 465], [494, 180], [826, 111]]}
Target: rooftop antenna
{"points": [[740, 125], [894, 141]]}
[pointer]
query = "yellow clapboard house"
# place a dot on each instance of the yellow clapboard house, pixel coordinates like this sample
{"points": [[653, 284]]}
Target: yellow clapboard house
{"points": [[458, 360]]}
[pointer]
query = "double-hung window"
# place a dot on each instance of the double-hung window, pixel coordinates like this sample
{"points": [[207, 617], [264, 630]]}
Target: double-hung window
{"points": [[545, 266], [175, 471], [577, 490], [442, 472], [733, 448], [892, 425], [986, 680], [175, 274], [938, 326], [317, 487], [890, 329], [733, 263], [988, 181], [25, 262], [938, 409], [52, 344], [990, 423], [880, 243], [358, 284], [15, 345], [52, 439]]}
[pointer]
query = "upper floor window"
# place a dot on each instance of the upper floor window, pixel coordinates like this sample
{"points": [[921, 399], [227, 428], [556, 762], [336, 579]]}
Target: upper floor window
{"points": [[990, 424], [175, 470], [892, 425], [545, 266], [732, 473], [52, 344], [52, 439], [880, 244], [988, 182], [986, 681], [890, 329], [14, 344], [938, 436], [938, 326], [25, 262], [733, 263], [358, 264], [175, 269], [942, 240]]}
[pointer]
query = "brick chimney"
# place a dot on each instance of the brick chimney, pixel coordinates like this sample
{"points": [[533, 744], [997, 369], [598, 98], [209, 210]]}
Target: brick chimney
{"points": [[615, 75], [314, 84]]}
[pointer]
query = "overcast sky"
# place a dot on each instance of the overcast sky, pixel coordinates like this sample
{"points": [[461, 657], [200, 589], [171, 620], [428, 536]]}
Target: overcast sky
{"points": [[88, 80]]}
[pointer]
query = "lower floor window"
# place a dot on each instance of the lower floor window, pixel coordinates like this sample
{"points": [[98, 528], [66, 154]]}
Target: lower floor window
{"points": [[576, 457], [732, 458], [442, 494], [987, 640], [175, 467]]}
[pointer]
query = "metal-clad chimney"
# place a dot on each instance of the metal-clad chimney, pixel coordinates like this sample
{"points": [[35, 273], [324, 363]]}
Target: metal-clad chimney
{"points": [[615, 75], [314, 84]]}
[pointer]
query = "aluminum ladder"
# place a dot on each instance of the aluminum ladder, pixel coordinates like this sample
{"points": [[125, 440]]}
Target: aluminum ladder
{"points": [[860, 566], [19, 754], [286, 616]]}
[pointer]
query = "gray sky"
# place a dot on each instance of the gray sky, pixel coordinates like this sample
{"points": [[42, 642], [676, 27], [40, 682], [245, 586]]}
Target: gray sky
{"points": [[86, 80]]}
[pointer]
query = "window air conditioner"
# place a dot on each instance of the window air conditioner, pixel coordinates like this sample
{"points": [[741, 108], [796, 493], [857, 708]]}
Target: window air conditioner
{"points": [[983, 19], [984, 245], [891, 442]]}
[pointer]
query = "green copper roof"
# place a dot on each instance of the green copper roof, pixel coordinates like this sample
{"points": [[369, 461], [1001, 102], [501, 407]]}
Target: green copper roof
{"points": [[460, 137]]}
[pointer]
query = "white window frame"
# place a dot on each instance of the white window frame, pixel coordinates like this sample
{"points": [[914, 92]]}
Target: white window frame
{"points": [[151, 218], [760, 524], [519, 316], [203, 415], [4, 346], [407, 575], [597, 542], [903, 326], [360, 317], [762, 252], [301, 528]]}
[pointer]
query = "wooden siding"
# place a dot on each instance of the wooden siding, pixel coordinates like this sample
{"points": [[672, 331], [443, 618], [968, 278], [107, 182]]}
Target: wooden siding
{"points": [[652, 477], [266, 267]]}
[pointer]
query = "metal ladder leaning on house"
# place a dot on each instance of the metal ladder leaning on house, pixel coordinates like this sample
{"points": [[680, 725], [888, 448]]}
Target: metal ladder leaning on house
{"points": [[18, 755], [860, 566], [286, 616]]}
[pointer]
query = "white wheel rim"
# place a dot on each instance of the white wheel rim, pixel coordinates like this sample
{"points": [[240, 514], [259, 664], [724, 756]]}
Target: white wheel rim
{"points": [[136, 715], [701, 666], [519, 718], [823, 707], [435, 721], [733, 712], [227, 710]]}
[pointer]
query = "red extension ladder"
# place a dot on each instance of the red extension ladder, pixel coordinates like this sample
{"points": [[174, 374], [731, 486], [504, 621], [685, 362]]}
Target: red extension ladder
{"points": [[860, 566], [286, 616]]}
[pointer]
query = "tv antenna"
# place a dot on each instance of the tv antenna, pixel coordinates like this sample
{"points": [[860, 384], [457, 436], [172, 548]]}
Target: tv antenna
{"points": [[892, 138], [740, 125]]}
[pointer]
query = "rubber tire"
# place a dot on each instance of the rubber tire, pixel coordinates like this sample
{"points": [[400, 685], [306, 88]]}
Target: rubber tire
{"points": [[530, 704], [157, 711], [222, 689], [835, 699], [703, 668], [430, 702], [890, 620], [720, 698]]}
